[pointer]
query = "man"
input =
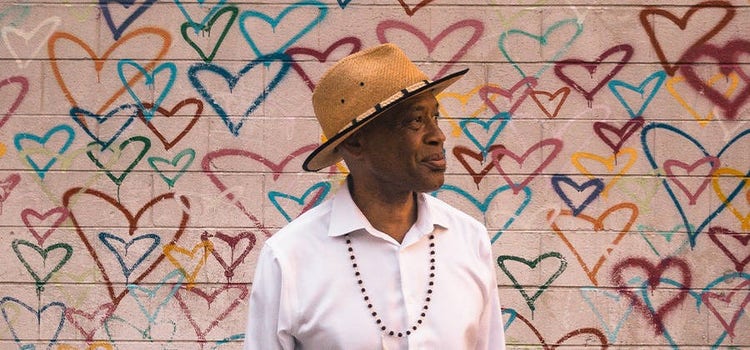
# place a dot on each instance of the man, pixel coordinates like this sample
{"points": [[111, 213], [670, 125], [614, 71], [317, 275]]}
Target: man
{"points": [[381, 265]]}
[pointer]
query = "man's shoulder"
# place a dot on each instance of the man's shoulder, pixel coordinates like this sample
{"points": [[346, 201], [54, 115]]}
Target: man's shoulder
{"points": [[445, 210], [309, 226], [441, 207]]}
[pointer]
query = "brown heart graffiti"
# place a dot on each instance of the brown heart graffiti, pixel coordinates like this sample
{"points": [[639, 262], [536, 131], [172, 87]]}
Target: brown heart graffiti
{"points": [[671, 65], [169, 143], [133, 225], [461, 153]]}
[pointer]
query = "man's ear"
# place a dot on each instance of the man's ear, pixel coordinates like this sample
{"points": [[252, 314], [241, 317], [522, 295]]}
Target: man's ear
{"points": [[352, 146]]}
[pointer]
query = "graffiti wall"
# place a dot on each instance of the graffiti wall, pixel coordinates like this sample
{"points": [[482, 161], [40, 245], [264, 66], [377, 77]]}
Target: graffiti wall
{"points": [[149, 148]]}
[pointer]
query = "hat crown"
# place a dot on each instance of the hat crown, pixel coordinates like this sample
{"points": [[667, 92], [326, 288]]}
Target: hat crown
{"points": [[359, 82]]}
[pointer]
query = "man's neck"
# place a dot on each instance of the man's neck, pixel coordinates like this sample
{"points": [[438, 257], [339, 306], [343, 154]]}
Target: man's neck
{"points": [[391, 213]]}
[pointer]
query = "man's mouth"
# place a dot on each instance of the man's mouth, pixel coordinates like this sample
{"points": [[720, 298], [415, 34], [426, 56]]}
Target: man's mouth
{"points": [[435, 162]]}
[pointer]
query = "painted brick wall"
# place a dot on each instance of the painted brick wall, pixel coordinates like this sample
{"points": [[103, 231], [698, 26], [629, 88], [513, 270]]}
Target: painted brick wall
{"points": [[149, 148]]}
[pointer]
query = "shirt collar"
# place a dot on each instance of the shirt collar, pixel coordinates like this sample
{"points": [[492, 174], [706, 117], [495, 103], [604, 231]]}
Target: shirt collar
{"points": [[346, 216]]}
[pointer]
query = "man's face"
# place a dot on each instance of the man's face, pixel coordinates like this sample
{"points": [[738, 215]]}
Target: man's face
{"points": [[403, 149]]}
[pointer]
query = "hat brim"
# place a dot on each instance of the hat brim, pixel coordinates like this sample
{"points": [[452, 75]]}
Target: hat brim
{"points": [[326, 155]]}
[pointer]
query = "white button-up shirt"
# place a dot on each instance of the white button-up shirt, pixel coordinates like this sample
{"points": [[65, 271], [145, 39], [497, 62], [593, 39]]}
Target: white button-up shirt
{"points": [[305, 294]]}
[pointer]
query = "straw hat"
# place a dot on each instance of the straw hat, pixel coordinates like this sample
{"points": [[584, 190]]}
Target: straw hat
{"points": [[361, 87]]}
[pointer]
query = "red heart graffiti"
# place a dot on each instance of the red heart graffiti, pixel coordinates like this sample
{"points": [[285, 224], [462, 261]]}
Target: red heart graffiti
{"points": [[277, 169], [410, 10], [87, 323], [654, 274], [461, 153], [169, 143], [6, 186], [504, 153], [51, 220], [671, 64], [669, 164], [719, 234], [592, 67], [198, 305], [557, 99], [621, 134], [23, 85], [232, 242], [321, 57], [525, 85], [727, 60], [133, 225], [476, 25], [709, 299]]}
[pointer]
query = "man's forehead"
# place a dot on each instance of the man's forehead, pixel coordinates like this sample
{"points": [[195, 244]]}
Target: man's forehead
{"points": [[419, 102]]}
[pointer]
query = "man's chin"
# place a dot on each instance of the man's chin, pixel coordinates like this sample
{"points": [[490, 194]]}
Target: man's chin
{"points": [[434, 181]]}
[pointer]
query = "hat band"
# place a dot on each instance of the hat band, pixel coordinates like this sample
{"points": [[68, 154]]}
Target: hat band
{"points": [[385, 104]]}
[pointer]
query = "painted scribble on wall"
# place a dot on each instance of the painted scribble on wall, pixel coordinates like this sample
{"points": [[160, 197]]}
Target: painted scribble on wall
{"points": [[148, 148]]}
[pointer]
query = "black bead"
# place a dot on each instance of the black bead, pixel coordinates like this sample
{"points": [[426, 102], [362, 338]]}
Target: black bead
{"points": [[429, 291], [400, 335], [390, 333], [378, 321], [382, 328], [408, 332]]}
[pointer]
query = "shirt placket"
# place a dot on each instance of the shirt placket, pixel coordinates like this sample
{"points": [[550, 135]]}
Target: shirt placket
{"points": [[413, 267]]}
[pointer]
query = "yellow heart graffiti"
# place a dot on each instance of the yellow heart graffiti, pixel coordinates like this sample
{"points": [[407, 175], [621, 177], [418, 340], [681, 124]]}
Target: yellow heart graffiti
{"points": [[206, 247], [75, 297], [610, 163], [97, 345], [732, 78], [509, 21], [3, 149], [743, 218], [64, 163], [464, 100]]}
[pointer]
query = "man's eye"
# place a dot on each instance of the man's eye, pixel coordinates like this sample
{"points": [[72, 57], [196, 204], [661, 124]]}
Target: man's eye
{"points": [[415, 122]]}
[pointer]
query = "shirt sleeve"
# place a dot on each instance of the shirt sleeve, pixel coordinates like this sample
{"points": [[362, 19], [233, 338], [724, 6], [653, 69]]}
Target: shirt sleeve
{"points": [[269, 321], [492, 318]]}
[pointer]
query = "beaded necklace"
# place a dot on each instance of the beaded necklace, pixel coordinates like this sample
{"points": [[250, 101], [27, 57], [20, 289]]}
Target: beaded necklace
{"points": [[430, 283]]}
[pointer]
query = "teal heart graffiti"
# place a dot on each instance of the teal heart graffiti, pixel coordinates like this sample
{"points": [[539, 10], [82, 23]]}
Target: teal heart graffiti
{"points": [[188, 153]]}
